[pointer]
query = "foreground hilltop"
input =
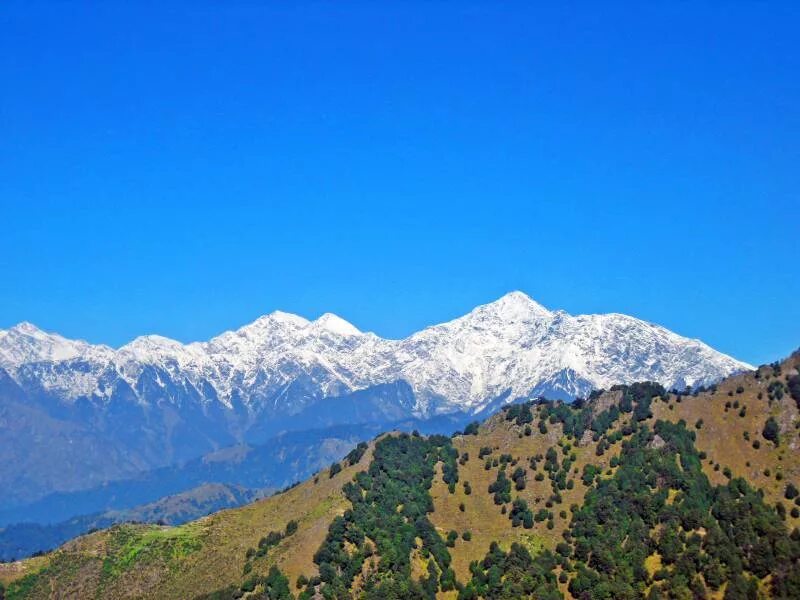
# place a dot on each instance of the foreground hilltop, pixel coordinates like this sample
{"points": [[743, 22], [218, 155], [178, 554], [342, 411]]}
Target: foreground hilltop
{"points": [[631, 493]]}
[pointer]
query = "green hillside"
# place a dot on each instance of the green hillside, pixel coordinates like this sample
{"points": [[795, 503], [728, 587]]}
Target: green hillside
{"points": [[632, 493]]}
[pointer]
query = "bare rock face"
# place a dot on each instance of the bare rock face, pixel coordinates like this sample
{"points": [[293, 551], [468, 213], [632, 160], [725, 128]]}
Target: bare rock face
{"points": [[605, 401], [656, 443], [586, 439]]}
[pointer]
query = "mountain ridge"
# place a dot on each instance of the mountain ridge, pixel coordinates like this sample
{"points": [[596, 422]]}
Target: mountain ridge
{"points": [[446, 364]]}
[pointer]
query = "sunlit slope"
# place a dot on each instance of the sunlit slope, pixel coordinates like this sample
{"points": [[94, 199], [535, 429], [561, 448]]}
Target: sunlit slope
{"points": [[138, 561], [728, 423], [421, 517]]}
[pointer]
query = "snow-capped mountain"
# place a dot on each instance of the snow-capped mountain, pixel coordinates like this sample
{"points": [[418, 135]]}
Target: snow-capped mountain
{"points": [[282, 363], [74, 415]]}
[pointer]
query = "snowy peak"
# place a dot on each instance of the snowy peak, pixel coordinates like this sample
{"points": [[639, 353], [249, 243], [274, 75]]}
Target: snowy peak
{"points": [[513, 308], [276, 320], [148, 348], [26, 343], [26, 328], [517, 305], [268, 331], [334, 324]]}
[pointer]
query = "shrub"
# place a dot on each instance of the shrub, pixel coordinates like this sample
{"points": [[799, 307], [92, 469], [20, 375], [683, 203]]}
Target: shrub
{"points": [[519, 478], [291, 527], [249, 584], [791, 492], [771, 431], [501, 488], [356, 453], [269, 540], [520, 514], [451, 538], [472, 428], [793, 385]]}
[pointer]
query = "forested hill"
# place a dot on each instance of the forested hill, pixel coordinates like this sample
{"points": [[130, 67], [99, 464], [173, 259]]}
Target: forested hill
{"points": [[632, 493]]}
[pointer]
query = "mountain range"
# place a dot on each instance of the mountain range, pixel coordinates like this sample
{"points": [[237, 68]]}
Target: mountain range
{"points": [[75, 415], [281, 362]]}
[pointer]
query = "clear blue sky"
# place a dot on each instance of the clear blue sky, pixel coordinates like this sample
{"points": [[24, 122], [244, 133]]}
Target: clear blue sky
{"points": [[182, 168]]}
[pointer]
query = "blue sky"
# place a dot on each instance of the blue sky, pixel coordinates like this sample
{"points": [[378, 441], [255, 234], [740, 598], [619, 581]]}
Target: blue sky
{"points": [[182, 168]]}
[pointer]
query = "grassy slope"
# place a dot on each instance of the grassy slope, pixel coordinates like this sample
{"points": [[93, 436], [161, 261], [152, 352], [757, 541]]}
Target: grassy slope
{"points": [[210, 553], [721, 436], [179, 508], [185, 561], [481, 516]]}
